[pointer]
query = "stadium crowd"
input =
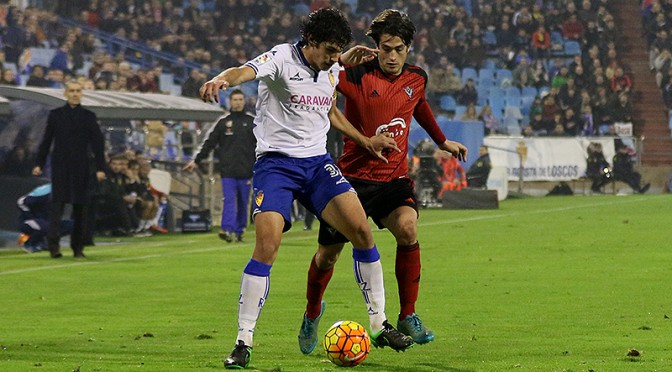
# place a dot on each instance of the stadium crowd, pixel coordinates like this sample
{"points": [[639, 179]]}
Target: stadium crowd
{"points": [[537, 67]]}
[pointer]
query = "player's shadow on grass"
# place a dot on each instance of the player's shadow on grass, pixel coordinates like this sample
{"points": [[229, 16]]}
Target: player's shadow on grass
{"points": [[418, 367]]}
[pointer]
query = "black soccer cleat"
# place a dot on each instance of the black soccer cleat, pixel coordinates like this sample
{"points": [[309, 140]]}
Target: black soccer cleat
{"points": [[389, 336], [239, 357]]}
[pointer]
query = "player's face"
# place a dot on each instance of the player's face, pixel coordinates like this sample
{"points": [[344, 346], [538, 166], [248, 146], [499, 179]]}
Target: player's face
{"points": [[237, 102], [392, 54], [323, 56]]}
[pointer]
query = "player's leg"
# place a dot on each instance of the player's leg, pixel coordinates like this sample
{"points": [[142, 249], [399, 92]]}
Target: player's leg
{"points": [[345, 213], [403, 224], [319, 275], [255, 284], [228, 209], [273, 197]]}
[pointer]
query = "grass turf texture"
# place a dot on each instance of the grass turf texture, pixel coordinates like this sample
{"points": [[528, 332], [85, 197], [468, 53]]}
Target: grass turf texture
{"points": [[543, 284]]}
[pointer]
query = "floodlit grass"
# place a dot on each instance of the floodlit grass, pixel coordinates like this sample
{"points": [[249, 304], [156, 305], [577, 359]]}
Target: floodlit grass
{"points": [[541, 284]]}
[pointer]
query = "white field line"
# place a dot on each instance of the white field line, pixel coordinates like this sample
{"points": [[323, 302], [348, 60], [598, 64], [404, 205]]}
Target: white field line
{"points": [[299, 238]]}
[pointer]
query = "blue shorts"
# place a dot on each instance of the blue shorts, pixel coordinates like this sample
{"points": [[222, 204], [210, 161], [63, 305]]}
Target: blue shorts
{"points": [[279, 179]]}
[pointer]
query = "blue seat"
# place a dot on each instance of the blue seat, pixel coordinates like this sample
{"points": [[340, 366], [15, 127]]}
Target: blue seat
{"points": [[526, 105], [512, 96], [447, 103], [529, 91], [483, 93], [497, 102], [469, 73], [496, 91], [572, 48], [486, 81], [489, 64], [459, 111], [486, 73]]}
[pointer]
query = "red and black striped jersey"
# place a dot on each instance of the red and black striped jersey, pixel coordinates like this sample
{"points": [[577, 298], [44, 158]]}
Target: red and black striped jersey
{"points": [[375, 103]]}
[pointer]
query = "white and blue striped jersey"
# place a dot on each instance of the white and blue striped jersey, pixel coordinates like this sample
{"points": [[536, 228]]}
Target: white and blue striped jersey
{"points": [[293, 103]]}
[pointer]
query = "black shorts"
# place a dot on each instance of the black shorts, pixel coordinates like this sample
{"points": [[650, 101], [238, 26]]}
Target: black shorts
{"points": [[378, 200]]}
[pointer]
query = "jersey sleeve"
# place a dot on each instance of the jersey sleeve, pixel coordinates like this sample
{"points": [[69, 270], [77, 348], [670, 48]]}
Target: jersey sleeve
{"points": [[266, 65]]}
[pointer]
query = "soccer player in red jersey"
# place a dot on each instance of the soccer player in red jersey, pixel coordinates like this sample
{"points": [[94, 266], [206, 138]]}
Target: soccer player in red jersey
{"points": [[382, 96]]}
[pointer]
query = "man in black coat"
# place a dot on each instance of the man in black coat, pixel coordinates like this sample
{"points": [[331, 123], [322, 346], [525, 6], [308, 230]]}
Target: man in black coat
{"points": [[477, 175], [235, 141], [75, 135]]}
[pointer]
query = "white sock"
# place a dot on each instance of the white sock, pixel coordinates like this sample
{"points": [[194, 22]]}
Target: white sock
{"points": [[369, 276], [253, 293]]}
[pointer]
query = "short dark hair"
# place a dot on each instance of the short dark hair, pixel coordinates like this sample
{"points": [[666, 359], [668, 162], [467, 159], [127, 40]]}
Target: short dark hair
{"points": [[237, 91], [326, 25], [392, 22]]}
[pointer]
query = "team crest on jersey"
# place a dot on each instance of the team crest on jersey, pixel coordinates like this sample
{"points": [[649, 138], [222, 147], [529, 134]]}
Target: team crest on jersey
{"points": [[229, 127], [262, 59], [259, 198], [332, 80], [409, 92]]}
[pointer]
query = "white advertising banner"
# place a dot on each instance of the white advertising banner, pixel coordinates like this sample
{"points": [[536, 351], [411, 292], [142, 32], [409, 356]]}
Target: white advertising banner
{"points": [[546, 158]]}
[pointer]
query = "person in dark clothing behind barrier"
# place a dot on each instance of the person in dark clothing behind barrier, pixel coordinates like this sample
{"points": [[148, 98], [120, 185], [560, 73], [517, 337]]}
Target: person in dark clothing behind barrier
{"points": [[597, 167], [234, 139], [623, 170], [75, 134], [34, 210], [477, 175]]}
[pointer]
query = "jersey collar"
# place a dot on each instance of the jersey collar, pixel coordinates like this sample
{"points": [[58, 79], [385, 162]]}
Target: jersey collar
{"points": [[299, 51]]}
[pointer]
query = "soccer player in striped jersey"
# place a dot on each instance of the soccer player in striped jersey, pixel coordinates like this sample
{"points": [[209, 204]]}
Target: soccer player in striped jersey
{"points": [[381, 96], [294, 110]]}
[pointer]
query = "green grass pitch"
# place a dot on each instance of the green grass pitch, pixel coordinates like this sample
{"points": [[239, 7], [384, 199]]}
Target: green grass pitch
{"points": [[541, 284]]}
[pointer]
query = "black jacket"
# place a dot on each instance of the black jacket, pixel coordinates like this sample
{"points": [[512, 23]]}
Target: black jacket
{"points": [[76, 136], [235, 141]]}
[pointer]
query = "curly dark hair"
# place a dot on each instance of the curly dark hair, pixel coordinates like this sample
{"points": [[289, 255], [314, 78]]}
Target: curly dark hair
{"points": [[392, 22], [326, 25]]}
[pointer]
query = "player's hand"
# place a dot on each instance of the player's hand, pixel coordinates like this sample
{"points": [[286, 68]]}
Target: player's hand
{"points": [[209, 91], [380, 142], [456, 149], [357, 55], [37, 171], [100, 175], [189, 167]]}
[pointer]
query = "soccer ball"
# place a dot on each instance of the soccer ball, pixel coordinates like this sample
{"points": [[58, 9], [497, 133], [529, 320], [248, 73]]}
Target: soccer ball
{"points": [[347, 343]]}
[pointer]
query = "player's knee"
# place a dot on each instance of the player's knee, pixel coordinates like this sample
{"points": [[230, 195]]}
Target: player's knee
{"points": [[326, 257], [407, 233], [361, 236]]}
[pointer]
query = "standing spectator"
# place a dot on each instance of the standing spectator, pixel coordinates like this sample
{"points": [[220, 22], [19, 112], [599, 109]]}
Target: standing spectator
{"points": [[477, 175], [232, 136], [73, 131]]}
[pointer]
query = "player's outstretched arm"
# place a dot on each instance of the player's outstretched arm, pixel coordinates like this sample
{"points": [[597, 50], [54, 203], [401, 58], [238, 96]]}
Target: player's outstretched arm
{"points": [[456, 149], [357, 55], [375, 145], [233, 76]]}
